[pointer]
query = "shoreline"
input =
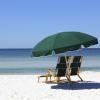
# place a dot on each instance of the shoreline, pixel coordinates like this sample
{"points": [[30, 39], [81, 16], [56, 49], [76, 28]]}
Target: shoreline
{"points": [[38, 71]]}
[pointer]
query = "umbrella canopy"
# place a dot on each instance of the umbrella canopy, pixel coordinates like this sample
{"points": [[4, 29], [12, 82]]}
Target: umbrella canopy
{"points": [[62, 42]]}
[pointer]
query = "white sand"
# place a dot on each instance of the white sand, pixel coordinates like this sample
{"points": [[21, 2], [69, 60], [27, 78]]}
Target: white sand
{"points": [[25, 87]]}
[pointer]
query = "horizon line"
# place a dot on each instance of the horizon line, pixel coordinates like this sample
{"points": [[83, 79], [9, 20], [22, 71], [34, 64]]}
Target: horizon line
{"points": [[32, 48]]}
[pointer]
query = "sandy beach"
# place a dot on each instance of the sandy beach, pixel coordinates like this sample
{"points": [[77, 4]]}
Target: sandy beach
{"points": [[26, 87]]}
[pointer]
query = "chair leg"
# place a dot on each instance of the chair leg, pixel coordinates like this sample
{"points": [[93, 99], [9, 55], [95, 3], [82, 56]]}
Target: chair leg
{"points": [[46, 78], [80, 77], [68, 78], [57, 79]]}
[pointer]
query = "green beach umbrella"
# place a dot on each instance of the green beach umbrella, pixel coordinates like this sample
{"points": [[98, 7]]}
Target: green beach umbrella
{"points": [[62, 42]]}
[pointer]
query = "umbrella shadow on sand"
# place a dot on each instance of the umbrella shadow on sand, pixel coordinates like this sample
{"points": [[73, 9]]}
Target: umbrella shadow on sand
{"points": [[77, 86]]}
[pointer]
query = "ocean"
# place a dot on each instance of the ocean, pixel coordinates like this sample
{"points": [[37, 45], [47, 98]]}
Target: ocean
{"points": [[20, 61]]}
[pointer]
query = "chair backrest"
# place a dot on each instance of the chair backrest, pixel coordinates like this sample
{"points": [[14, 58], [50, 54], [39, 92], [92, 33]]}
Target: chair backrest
{"points": [[77, 59], [61, 66], [62, 59], [75, 65]]}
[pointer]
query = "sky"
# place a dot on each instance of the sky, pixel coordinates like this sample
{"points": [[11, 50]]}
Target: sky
{"points": [[23, 23]]}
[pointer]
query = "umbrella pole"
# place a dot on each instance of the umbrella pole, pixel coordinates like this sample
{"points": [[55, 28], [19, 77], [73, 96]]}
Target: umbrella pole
{"points": [[58, 60]]}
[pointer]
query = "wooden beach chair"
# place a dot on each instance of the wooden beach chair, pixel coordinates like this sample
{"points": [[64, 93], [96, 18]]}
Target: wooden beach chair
{"points": [[46, 76], [61, 67], [59, 72], [74, 67]]}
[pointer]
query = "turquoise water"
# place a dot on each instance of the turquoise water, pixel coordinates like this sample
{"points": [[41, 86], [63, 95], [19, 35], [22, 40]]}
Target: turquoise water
{"points": [[20, 61]]}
